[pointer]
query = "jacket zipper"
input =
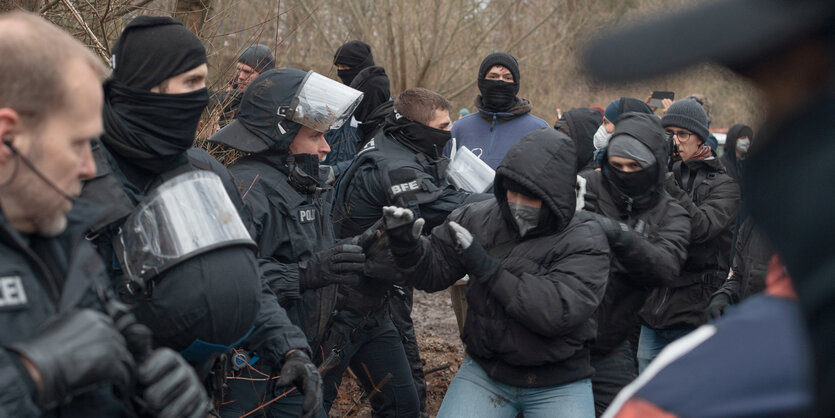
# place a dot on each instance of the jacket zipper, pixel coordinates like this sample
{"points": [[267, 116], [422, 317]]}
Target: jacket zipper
{"points": [[663, 301], [492, 135]]}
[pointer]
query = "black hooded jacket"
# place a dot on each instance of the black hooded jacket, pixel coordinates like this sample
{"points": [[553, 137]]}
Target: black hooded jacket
{"points": [[712, 202], [580, 125], [728, 158], [530, 323], [659, 233]]}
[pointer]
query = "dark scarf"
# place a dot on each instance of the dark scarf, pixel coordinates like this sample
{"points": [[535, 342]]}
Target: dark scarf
{"points": [[631, 191], [152, 131], [417, 136], [497, 95]]}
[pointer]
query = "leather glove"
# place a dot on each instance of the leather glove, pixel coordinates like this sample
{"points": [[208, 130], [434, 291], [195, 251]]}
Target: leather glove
{"points": [[671, 186], [300, 372], [402, 228], [172, 387], [479, 264], [75, 352], [717, 305], [340, 264], [617, 233]]}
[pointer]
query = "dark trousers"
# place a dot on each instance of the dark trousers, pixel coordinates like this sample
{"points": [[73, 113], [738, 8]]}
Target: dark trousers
{"points": [[613, 371], [401, 315], [373, 348], [244, 395]]}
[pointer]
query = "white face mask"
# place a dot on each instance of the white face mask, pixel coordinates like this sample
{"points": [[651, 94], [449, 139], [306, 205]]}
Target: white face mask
{"points": [[742, 145], [601, 138]]}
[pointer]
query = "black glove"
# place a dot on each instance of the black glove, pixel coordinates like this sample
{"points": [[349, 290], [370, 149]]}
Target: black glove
{"points": [[340, 264], [172, 388], [300, 372], [717, 305], [617, 233], [75, 352], [479, 264], [671, 186]]}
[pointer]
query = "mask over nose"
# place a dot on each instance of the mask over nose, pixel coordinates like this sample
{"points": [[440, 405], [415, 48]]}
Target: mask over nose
{"points": [[742, 145], [526, 217], [601, 138]]}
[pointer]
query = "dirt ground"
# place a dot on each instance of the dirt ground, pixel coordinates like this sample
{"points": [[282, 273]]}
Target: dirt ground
{"points": [[440, 349]]}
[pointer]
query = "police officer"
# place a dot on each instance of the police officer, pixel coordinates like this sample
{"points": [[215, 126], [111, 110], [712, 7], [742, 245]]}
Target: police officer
{"points": [[402, 165], [59, 353], [281, 183], [210, 298]]}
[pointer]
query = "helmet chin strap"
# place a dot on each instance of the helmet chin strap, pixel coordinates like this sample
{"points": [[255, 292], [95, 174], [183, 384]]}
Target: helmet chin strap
{"points": [[37, 172]]}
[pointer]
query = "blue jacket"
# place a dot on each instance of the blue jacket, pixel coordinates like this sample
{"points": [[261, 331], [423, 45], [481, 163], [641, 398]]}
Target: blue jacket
{"points": [[489, 135]]}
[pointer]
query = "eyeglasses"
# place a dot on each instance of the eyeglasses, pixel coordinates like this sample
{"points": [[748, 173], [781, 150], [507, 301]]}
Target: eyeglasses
{"points": [[682, 135]]}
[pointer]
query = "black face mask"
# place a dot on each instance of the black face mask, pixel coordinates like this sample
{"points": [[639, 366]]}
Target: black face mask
{"points": [[634, 184], [151, 130], [303, 172], [418, 136], [347, 76], [497, 95]]}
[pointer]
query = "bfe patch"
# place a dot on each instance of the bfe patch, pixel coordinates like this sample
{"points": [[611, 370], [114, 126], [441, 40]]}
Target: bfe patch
{"points": [[11, 292]]}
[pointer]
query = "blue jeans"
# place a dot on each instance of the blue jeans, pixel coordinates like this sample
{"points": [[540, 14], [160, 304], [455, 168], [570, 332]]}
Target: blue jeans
{"points": [[653, 340], [473, 394]]}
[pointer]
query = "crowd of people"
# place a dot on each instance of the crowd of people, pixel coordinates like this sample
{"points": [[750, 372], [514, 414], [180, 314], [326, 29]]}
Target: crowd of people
{"points": [[621, 263]]}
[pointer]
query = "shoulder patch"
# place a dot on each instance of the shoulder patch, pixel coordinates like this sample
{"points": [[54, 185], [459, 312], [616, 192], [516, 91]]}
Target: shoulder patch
{"points": [[368, 147], [12, 293]]}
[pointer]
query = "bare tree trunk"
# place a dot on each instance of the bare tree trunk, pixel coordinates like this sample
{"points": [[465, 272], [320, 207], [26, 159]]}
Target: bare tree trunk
{"points": [[29, 5], [193, 13]]}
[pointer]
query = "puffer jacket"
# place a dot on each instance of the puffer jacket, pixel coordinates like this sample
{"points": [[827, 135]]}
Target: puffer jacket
{"points": [[530, 323], [659, 231], [712, 202], [489, 135]]}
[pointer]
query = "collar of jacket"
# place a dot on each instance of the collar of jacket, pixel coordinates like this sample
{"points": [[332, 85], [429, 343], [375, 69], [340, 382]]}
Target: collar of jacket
{"points": [[521, 107]]}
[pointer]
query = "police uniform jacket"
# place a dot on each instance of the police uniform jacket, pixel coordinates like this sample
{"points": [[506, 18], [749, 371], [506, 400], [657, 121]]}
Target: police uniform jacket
{"points": [[41, 278]]}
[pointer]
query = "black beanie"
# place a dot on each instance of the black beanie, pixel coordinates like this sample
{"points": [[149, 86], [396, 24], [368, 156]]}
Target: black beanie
{"points": [[687, 114], [259, 57], [499, 58], [153, 49]]}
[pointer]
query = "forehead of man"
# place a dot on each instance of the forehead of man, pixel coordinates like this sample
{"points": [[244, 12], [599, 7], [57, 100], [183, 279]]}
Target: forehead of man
{"points": [[81, 113]]}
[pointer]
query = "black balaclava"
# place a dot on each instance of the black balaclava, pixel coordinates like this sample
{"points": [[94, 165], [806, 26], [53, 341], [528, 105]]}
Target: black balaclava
{"points": [[497, 95], [357, 56], [415, 135], [374, 85], [636, 183], [152, 130]]}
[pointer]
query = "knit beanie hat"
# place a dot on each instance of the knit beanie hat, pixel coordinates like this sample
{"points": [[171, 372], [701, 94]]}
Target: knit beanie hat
{"points": [[625, 105], [152, 49], [687, 114], [499, 58], [259, 57], [611, 112], [625, 146]]}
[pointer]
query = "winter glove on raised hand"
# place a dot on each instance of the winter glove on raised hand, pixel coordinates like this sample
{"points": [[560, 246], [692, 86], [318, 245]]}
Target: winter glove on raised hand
{"points": [[617, 233], [403, 232], [340, 264], [172, 389], [77, 351], [479, 265], [672, 187], [300, 372], [717, 305]]}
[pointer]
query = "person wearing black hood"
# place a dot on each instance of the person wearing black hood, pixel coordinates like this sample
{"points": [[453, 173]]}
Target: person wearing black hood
{"points": [[401, 165], [350, 59], [201, 292], [648, 232], [580, 125], [698, 181], [376, 103], [737, 144], [502, 117], [290, 200], [538, 271]]}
